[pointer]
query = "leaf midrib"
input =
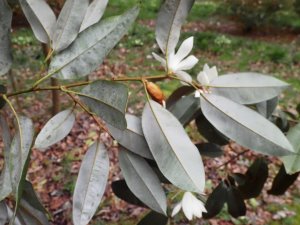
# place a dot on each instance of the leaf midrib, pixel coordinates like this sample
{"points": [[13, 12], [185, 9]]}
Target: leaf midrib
{"points": [[241, 123], [171, 145]]}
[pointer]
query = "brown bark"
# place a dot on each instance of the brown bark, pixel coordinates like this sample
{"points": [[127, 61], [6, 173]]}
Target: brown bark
{"points": [[54, 82]]}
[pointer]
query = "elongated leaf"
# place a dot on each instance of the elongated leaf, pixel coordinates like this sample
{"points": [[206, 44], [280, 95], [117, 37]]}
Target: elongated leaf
{"points": [[245, 126], [90, 184], [132, 138], [108, 100], [40, 17], [177, 94], [19, 157], [5, 183], [5, 25], [156, 170], [91, 47], [209, 149], [20, 149], [28, 215], [171, 16], [176, 156], [282, 181], [235, 202], [3, 213], [68, 23], [266, 108], [291, 163], [93, 13], [122, 191], [255, 179], [186, 109], [30, 196], [57, 128], [216, 201], [142, 181], [153, 218], [247, 88], [209, 132]]}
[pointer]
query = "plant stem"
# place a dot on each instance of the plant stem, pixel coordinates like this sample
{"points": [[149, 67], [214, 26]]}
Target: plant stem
{"points": [[234, 158], [49, 88]]}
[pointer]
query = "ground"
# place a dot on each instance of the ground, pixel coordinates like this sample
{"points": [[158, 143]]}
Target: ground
{"points": [[218, 41]]}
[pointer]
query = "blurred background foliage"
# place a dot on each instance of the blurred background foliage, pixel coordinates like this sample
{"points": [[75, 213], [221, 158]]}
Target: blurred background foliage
{"points": [[235, 35]]}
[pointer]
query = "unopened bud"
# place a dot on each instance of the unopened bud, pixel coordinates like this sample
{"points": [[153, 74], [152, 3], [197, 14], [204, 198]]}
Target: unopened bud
{"points": [[155, 92]]}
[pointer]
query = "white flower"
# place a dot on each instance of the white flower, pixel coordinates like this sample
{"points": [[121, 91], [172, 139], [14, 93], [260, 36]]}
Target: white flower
{"points": [[207, 75], [190, 205], [197, 94], [179, 62]]}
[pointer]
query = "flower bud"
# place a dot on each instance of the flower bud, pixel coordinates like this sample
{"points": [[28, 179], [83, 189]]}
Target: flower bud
{"points": [[155, 92]]}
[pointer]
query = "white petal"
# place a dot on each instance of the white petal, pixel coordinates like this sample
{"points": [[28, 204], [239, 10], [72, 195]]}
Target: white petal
{"points": [[197, 94], [203, 78], [187, 63], [176, 209], [198, 208], [187, 205], [206, 68], [173, 62], [213, 73], [159, 59], [185, 48], [184, 76]]}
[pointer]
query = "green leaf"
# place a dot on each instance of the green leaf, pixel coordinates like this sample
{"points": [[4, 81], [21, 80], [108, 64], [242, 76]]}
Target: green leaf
{"points": [[40, 17], [3, 213], [68, 23], [5, 182], [208, 131], [153, 218], [28, 215], [108, 100], [132, 138], [235, 202], [19, 157], [186, 108], [282, 182], [91, 47], [171, 16], [176, 156], [209, 149], [245, 126], [90, 184], [266, 108], [57, 128], [178, 93], [122, 191], [255, 179], [93, 13], [142, 181], [5, 26], [30, 196], [292, 162], [216, 201], [247, 88], [159, 174], [20, 149], [226, 192]]}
